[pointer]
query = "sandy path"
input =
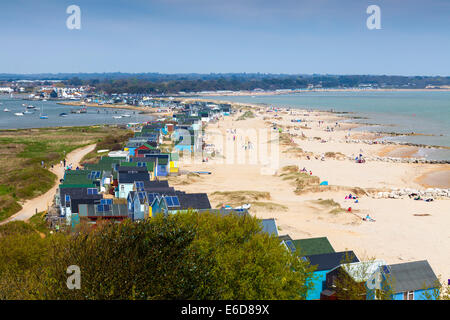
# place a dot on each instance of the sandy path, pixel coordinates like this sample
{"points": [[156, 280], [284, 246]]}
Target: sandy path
{"points": [[42, 202]]}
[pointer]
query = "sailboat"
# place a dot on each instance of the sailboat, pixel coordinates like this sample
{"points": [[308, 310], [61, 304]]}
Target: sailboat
{"points": [[42, 116], [6, 110], [18, 114]]}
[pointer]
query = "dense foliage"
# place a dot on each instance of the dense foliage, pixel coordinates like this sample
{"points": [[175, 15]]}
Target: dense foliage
{"points": [[135, 85], [157, 83], [183, 256]]}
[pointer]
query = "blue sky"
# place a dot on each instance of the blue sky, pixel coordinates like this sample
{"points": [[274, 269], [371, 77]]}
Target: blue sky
{"points": [[203, 36]]}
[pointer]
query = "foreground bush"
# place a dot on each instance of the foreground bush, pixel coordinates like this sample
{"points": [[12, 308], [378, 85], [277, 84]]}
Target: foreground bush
{"points": [[183, 256]]}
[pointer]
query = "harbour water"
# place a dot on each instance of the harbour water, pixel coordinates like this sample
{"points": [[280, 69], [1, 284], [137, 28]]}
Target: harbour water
{"points": [[53, 110], [424, 112]]}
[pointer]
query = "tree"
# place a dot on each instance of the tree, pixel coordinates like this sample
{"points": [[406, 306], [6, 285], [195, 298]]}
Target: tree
{"points": [[351, 282], [183, 256]]}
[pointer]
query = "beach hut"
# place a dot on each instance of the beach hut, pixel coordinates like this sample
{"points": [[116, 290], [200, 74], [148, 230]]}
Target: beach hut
{"points": [[408, 281], [349, 276], [325, 263]]}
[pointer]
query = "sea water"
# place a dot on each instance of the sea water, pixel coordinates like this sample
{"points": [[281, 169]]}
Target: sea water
{"points": [[52, 109]]}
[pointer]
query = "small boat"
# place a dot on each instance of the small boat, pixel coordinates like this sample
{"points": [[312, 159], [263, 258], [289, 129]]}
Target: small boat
{"points": [[6, 110], [63, 114], [42, 116], [24, 105], [31, 107], [18, 114], [28, 111], [126, 115], [117, 117]]}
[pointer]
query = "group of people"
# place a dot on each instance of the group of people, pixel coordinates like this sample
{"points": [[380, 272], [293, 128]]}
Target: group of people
{"points": [[352, 197], [306, 171]]}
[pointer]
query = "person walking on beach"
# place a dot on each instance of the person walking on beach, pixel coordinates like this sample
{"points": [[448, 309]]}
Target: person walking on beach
{"points": [[64, 162]]}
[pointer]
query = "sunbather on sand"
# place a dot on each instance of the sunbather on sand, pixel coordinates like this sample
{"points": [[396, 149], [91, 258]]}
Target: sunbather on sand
{"points": [[368, 218]]}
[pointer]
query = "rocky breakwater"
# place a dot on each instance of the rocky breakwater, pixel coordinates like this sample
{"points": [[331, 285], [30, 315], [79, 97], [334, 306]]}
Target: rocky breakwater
{"points": [[430, 193], [403, 160]]}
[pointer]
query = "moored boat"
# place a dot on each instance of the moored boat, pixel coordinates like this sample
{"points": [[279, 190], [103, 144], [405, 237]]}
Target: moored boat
{"points": [[42, 116]]}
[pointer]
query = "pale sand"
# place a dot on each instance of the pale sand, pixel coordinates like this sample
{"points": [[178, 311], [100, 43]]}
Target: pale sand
{"points": [[42, 202], [396, 236], [436, 178]]}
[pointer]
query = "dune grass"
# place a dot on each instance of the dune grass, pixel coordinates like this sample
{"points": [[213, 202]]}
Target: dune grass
{"points": [[237, 198], [246, 115], [21, 152], [329, 204], [334, 155], [301, 180]]}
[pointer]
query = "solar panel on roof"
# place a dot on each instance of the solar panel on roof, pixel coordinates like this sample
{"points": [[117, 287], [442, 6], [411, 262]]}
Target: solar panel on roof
{"points": [[176, 202], [92, 191], [290, 245], [386, 269], [106, 201], [139, 184], [151, 197], [169, 201]]}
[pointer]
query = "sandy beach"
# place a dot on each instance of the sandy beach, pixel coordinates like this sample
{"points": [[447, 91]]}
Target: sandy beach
{"points": [[405, 229]]}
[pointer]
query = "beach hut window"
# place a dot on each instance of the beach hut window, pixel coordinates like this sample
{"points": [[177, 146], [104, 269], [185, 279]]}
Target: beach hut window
{"points": [[408, 295], [67, 200]]}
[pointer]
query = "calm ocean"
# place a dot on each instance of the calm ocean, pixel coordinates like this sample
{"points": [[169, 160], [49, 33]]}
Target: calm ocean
{"points": [[105, 116], [426, 112]]}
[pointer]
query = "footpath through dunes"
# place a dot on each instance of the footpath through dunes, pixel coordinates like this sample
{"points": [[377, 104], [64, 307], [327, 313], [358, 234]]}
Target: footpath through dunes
{"points": [[42, 202]]}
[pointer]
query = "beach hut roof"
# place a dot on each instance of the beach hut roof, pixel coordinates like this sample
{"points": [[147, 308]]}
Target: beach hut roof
{"points": [[313, 246], [363, 270], [411, 276], [328, 261], [269, 226]]}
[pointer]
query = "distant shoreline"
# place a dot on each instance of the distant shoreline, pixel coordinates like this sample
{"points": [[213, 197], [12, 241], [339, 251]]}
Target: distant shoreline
{"points": [[287, 91]]}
